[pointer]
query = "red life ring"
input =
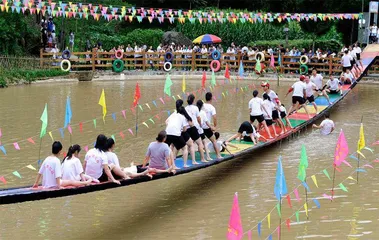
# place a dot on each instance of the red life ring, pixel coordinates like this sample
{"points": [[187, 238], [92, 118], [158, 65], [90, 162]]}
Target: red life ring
{"points": [[119, 54], [217, 67]]}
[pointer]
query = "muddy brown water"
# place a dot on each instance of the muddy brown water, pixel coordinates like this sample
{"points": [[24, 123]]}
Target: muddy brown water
{"points": [[191, 206]]}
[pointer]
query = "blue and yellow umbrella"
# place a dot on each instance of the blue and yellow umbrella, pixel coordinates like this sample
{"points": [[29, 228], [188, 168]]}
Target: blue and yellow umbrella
{"points": [[207, 39]]}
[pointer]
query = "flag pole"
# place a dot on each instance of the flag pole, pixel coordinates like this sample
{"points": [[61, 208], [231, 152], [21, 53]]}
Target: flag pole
{"points": [[136, 119], [334, 176], [306, 197], [40, 147]]}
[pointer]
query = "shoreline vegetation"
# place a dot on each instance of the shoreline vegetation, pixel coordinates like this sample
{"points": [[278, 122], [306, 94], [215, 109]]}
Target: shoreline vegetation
{"points": [[22, 76]]}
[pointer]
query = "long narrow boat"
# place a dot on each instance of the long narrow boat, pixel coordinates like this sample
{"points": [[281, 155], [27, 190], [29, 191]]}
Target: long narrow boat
{"points": [[298, 120]]}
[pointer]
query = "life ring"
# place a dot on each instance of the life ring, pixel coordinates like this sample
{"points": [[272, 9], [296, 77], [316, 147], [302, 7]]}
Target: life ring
{"points": [[65, 61], [66, 54], [217, 67], [168, 57], [167, 66], [305, 67], [118, 65], [262, 56], [119, 54], [304, 61], [216, 55]]}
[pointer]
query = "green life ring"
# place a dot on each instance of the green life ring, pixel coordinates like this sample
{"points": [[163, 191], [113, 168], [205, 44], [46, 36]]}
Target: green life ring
{"points": [[305, 67], [118, 65]]}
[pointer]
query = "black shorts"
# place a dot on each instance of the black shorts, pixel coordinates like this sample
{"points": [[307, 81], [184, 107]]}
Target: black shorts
{"points": [[352, 62], [247, 139], [296, 99], [311, 99], [186, 136], [178, 141], [208, 133], [358, 56], [104, 177], [345, 68], [260, 118], [283, 114], [202, 136], [334, 91], [246, 127], [269, 122], [275, 114], [194, 134]]}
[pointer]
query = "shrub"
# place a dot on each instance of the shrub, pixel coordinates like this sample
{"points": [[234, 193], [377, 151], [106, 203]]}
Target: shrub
{"points": [[332, 45]]}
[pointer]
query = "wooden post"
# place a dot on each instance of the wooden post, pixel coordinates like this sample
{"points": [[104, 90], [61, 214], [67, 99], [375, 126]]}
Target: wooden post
{"points": [[330, 64], [93, 60], [143, 61], [281, 63], [41, 58], [193, 61]]}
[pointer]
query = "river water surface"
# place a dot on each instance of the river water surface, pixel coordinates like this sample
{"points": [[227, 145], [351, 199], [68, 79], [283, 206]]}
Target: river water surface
{"points": [[192, 206]]}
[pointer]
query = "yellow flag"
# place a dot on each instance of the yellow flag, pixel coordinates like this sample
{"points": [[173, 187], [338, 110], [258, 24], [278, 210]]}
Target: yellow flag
{"points": [[269, 220], [314, 180], [51, 136], [184, 84], [306, 209], [103, 104], [361, 141]]}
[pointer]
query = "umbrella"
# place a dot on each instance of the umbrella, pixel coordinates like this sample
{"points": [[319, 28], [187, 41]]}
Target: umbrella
{"points": [[207, 39]]}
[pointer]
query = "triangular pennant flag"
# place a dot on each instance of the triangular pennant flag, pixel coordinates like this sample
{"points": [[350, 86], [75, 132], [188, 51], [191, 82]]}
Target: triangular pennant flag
{"points": [[316, 202], [131, 132], [145, 124], [167, 86], [259, 229], [341, 151], [343, 188], [235, 230], [227, 73], [297, 216], [17, 174], [44, 119], [69, 129], [326, 174], [94, 122], [351, 178], [306, 186], [114, 116], [184, 84], [81, 127], [122, 135], [314, 180], [288, 223], [327, 196], [203, 80], [361, 141], [279, 210], [16, 146], [296, 192], [289, 201], [61, 131], [148, 106], [51, 136], [103, 104], [114, 139], [2, 179], [123, 113], [3, 150], [306, 209], [31, 167], [269, 220], [241, 70], [280, 188], [303, 165]]}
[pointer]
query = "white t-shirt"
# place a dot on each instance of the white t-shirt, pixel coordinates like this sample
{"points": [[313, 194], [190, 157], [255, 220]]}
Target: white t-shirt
{"points": [[50, 170], [71, 169], [255, 104], [95, 159], [317, 80], [283, 109], [204, 120], [333, 84], [210, 111], [309, 88], [273, 96], [374, 30], [298, 89], [346, 60], [112, 159], [269, 106], [211, 148], [175, 124], [193, 112], [326, 126], [357, 49], [348, 75]]}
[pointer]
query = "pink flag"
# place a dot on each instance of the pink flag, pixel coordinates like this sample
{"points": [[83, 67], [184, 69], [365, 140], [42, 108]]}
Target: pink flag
{"points": [[123, 113], [0, 133], [296, 194], [16, 146], [272, 61], [69, 129], [162, 100], [375, 143], [342, 150], [327, 196], [235, 231], [131, 132], [249, 234]]}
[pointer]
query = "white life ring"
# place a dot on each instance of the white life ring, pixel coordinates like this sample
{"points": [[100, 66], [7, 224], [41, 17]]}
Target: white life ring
{"points": [[68, 65], [304, 61], [167, 68], [260, 54]]}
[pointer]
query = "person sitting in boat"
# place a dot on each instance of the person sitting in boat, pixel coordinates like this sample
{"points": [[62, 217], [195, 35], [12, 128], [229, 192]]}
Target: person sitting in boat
{"points": [[249, 129], [327, 125], [347, 77], [175, 124], [51, 170], [222, 145], [158, 155], [130, 172], [96, 163], [333, 85], [72, 169]]}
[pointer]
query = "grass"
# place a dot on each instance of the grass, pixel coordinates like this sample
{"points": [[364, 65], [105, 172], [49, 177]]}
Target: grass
{"points": [[15, 76]]}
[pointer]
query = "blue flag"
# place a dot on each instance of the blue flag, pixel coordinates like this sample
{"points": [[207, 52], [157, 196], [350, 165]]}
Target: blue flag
{"points": [[241, 71], [280, 188], [68, 115]]}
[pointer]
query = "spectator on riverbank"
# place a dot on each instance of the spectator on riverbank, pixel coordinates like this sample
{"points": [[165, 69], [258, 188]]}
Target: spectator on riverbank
{"points": [[71, 39]]}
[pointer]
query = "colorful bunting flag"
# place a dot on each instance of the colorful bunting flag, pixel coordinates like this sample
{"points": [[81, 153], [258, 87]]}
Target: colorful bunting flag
{"points": [[31, 140], [296, 192], [94, 122], [184, 84], [297, 216], [31, 167], [68, 114], [316, 202], [235, 231], [303, 165], [17, 174], [103, 104], [326, 174], [269, 220], [241, 71], [44, 120], [137, 95], [16, 146], [3, 150], [342, 150], [203, 80], [361, 141], [306, 209], [289, 201], [280, 188], [314, 180], [2, 179], [167, 87], [343, 188], [51, 136]]}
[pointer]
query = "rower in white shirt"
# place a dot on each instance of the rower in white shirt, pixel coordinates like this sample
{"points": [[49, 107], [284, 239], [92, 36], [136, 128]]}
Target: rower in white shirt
{"points": [[317, 78], [298, 96]]}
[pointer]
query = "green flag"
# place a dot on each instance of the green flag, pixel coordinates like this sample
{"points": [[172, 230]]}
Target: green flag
{"points": [[213, 79], [258, 67], [44, 122], [303, 165], [167, 85]]}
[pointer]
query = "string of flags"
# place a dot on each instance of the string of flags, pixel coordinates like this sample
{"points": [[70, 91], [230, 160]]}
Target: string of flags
{"points": [[163, 100], [120, 13], [235, 230]]}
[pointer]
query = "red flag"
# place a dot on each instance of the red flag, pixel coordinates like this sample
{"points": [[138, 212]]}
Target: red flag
{"points": [[3, 180], [227, 74], [81, 127], [137, 95], [203, 80]]}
